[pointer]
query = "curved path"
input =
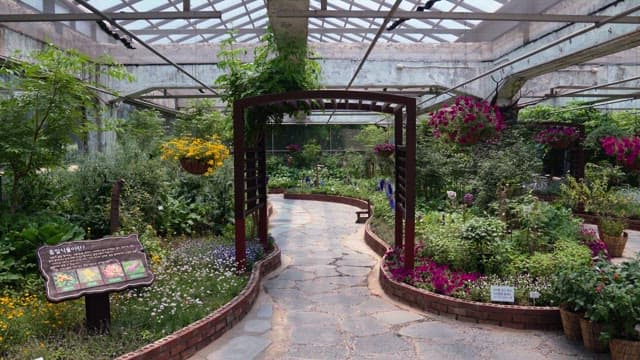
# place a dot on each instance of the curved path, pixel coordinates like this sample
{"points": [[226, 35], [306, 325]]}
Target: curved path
{"points": [[325, 303]]}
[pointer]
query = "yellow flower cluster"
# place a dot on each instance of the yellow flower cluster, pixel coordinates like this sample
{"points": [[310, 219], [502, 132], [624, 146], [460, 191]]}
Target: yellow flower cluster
{"points": [[22, 315], [211, 150]]}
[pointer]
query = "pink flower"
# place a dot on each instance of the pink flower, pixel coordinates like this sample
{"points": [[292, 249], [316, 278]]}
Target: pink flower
{"points": [[467, 121], [625, 149]]}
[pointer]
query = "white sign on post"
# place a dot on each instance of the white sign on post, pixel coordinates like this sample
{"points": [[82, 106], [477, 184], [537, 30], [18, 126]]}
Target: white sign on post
{"points": [[503, 293]]}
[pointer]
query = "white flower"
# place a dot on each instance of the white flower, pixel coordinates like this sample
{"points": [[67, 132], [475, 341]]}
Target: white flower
{"points": [[451, 195], [637, 328]]}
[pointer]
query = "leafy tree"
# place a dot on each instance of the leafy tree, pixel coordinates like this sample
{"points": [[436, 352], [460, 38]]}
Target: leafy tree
{"points": [[201, 120], [145, 128], [46, 103], [371, 135], [275, 69]]}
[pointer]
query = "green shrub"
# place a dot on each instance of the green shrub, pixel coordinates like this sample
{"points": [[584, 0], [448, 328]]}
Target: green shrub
{"points": [[505, 167], [482, 233], [442, 242], [540, 225], [20, 236]]}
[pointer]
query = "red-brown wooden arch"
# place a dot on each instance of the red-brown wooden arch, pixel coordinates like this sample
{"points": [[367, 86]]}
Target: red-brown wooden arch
{"points": [[250, 177]]}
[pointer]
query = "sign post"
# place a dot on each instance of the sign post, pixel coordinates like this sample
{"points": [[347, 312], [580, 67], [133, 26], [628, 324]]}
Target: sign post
{"points": [[93, 269]]}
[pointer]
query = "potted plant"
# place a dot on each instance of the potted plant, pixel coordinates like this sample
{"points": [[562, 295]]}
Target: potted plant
{"points": [[574, 295], [196, 156], [616, 306], [467, 121], [557, 137], [611, 232]]}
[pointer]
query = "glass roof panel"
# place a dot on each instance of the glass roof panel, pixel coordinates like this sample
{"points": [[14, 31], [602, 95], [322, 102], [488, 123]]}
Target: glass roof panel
{"points": [[251, 15]]}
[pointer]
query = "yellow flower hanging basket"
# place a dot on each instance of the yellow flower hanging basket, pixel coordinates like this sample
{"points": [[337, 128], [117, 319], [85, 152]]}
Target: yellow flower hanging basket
{"points": [[196, 156]]}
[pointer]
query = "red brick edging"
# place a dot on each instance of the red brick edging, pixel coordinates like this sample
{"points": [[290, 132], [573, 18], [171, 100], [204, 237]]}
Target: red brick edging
{"points": [[512, 316], [187, 341], [359, 203]]}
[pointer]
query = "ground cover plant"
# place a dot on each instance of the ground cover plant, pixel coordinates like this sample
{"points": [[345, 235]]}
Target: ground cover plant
{"points": [[194, 278]]}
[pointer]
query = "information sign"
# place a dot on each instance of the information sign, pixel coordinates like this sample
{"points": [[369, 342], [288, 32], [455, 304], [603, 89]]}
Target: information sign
{"points": [[73, 269]]}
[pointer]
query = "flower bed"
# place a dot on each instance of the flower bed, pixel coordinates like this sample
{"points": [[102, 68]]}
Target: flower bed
{"points": [[513, 316], [188, 340]]}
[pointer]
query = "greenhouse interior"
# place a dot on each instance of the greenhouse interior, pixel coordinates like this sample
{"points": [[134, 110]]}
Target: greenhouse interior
{"points": [[319, 179]]}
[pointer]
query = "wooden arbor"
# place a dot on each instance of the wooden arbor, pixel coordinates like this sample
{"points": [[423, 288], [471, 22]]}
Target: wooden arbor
{"points": [[250, 175]]}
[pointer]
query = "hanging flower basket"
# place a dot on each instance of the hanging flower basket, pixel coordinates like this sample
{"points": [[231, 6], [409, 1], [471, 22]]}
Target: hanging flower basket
{"points": [[384, 149], [196, 156], [194, 166], [557, 137], [625, 149], [467, 121]]}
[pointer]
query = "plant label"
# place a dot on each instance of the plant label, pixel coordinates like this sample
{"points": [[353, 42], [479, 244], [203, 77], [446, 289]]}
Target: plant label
{"points": [[503, 293]]}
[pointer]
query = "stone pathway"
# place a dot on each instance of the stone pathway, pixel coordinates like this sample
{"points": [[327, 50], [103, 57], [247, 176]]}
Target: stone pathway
{"points": [[325, 303]]}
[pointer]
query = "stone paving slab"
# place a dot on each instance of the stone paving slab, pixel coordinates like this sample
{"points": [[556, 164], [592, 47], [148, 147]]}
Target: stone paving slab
{"points": [[325, 303]]}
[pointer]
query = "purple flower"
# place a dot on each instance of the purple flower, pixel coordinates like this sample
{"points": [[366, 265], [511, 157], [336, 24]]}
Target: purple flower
{"points": [[468, 198]]}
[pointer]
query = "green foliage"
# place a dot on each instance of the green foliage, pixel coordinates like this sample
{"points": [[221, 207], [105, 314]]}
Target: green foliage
{"points": [[371, 135], [145, 128], [442, 242], [310, 154], [275, 69], [201, 120], [616, 300], [482, 233], [20, 236], [197, 204], [47, 104], [439, 167], [611, 226], [540, 225], [566, 255], [592, 143], [570, 113], [595, 194], [574, 288], [504, 167], [145, 182]]}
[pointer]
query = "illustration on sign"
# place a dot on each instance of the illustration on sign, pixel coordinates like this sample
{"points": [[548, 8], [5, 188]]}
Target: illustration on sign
{"points": [[77, 268]]}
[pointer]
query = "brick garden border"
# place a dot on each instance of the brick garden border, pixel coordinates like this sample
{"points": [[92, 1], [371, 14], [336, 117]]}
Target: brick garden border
{"points": [[512, 316], [359, 203], [187, 341]]}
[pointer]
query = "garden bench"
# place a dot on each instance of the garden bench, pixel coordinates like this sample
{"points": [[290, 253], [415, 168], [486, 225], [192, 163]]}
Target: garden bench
{"points": [[363, 214]]}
